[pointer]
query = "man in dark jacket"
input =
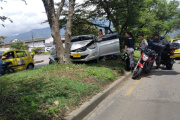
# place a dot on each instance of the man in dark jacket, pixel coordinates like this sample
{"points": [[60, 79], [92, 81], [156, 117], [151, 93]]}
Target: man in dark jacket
{"points": [[149, 42], [163, 40], [158, 61]]}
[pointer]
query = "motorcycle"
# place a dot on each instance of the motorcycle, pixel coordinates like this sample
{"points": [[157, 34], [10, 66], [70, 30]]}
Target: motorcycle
{"points": [[167, 58], [6, 69], [145, 63]]}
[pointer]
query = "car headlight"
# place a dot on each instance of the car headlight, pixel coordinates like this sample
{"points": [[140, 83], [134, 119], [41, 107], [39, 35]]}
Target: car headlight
{"points": [[82, 49], [93, 46], [145, 57]]}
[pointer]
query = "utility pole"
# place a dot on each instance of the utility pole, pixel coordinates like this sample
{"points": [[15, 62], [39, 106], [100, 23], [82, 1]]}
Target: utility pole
{"points": [[32, 38]]}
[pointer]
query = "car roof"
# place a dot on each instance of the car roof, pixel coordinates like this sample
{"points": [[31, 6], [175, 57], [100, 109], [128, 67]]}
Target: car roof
{"points": [[175, 39], [13, 50]]}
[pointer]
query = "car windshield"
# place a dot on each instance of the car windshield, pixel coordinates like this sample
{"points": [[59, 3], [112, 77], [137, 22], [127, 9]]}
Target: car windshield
{"points": [[176, 41], [81, 38]]}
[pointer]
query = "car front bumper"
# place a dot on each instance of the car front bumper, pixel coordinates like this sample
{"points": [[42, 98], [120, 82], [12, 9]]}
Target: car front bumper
{"points": [[89, 54]]}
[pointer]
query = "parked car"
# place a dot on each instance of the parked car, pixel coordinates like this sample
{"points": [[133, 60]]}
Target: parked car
{"points": [[20, 59], [88, 47], [177, 51]]}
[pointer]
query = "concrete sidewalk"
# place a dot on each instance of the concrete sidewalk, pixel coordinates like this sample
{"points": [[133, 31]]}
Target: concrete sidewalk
{"points": [[87, 107], [38, 61]]}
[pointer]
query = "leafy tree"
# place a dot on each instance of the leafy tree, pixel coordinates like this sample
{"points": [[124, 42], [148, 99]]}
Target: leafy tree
{"points": [[63, 54], [80, 27], [37, 50], [19, 46], [158, 17]]}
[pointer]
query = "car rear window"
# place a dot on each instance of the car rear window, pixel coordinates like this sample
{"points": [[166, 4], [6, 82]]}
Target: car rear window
{"points": [[176, 41]]}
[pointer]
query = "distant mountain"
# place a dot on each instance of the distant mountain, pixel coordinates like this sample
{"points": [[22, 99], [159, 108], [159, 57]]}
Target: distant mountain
{"points": [[43, 33], [37, 33]]}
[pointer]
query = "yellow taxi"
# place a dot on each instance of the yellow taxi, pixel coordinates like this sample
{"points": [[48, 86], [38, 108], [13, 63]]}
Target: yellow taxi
{"points": [[177, 51], [20, 59]]}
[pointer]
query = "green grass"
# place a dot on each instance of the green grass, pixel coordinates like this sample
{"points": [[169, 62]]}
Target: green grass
{"points": [[44, 53], [137, 55], [53, 91]]}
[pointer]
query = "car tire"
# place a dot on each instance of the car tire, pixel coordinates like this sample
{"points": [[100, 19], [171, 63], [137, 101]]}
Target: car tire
{"points": [[30, 67], [50, 62]]}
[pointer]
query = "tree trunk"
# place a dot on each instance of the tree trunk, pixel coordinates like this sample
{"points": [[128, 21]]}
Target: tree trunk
{"points": [[68, 31], [63, 54]]}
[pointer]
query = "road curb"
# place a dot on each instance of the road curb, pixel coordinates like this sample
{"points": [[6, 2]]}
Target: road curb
{"points": [[87, 107], [38, 61]]}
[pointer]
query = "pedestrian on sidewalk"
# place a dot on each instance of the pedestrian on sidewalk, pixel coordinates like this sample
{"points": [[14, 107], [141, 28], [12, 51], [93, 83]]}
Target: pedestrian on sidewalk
{"points": [[129, 49]]}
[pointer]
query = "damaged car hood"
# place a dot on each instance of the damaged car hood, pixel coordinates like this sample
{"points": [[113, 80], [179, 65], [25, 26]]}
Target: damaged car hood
{"points": [[79, 44]]}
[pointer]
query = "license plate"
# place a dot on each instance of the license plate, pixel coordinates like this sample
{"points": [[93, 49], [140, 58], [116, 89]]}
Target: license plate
{"points": [[76, 55], [172, 57]]}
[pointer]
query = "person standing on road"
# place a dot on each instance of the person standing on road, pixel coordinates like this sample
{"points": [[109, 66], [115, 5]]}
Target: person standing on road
{"points": [[129, 49], [149, 42], [100, 33], [158, 61], [144, 43], [0, 63], [163, 40]]}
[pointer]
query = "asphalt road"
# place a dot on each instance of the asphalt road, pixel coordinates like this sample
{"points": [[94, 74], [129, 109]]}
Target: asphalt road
{"points": [[152, 97], [40, 57]]}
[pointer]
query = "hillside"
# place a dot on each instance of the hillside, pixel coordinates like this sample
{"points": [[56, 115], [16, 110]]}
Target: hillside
{"points": [[37, 33]]}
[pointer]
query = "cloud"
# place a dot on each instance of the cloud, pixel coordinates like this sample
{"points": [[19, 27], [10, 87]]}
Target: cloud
{"points": [[25, 17]]}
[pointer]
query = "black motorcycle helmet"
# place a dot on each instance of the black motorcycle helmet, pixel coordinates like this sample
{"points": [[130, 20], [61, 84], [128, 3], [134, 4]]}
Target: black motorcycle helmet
{"points": [[161, 37]]}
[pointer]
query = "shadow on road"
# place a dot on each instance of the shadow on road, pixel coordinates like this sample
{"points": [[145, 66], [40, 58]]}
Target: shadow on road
{"points": [[164, 72]]}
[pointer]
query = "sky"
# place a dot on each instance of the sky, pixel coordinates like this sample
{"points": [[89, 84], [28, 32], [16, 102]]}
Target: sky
{"points": [[25, 17]]}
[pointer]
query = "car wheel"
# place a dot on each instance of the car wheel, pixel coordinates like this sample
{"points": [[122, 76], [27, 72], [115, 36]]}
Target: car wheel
{"points": [[30, 67], [50, 62]]}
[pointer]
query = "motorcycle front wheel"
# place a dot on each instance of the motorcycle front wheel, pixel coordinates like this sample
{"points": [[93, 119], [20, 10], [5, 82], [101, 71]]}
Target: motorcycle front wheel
{"points": [[137, 71]]}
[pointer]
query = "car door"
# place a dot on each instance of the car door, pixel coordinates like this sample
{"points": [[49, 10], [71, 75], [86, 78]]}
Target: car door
{"points": [[22, 60], [10, 57], [108, 44], [115, 46], [105, 47]]}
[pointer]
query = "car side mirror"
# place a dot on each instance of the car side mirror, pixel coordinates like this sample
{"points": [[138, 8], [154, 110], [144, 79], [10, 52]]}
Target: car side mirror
{"points": [[3, 57]]}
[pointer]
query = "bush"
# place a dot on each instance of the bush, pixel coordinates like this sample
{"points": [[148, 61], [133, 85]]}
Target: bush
{"points": [[19, 46], [37, 50]]}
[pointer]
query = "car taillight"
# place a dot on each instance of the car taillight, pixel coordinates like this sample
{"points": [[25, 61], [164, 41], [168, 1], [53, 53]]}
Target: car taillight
{"points": [[172, 51]]}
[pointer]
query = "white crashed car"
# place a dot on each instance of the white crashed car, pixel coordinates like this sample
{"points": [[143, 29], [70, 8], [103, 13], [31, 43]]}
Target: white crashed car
{"points": [[88, 47]]}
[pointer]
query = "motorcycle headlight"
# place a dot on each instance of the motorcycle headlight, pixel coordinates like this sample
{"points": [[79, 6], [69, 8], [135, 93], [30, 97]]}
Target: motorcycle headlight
{"points": [[145, 57], [93, 46]]}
